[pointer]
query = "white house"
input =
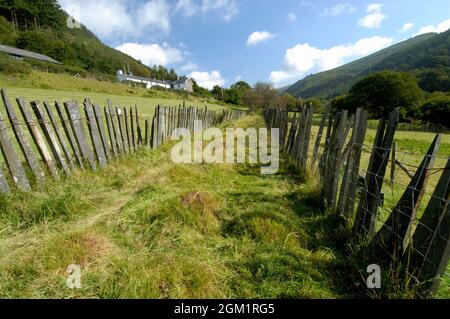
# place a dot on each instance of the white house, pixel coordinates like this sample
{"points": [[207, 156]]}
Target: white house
{"points": [[181, 84], [184, 83], [148, 83]]}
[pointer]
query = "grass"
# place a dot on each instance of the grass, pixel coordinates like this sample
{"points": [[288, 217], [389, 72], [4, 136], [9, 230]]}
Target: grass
{"points": [[147, 228]]}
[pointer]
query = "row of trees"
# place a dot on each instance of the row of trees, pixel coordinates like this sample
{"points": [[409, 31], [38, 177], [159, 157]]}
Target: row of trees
{"points": [[382, 92], [257, 97]]}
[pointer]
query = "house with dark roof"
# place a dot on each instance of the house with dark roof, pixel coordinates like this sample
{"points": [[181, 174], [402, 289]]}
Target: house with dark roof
{"points": [[19, 53], [181, 84]]}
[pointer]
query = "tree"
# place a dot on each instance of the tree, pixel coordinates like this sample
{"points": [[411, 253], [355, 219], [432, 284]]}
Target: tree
{"points": [[200, 91], [317, 103], [436, 109], [242, 85], [235, 94], [262, 95], [217, 92], [286, 100], [382, 92]]}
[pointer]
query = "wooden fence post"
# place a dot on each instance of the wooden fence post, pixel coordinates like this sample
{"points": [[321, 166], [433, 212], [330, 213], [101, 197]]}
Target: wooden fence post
{"points": [[94, 133], [122, 130], [393, 163], [73, 114], [133, 135], [304, 149], [112, 140], [115, 128], [59, 134], [49, 134], [138, 127], [69, 133], [334, 159], [23, 140], [369, 202], [395, 234], [38, 138], [101, 129], [320, 134], [351, 173], [430, 246], [12, 159]]}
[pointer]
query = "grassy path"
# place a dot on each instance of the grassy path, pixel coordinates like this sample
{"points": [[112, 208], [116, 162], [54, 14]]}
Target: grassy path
{"points": [[147, 228]]}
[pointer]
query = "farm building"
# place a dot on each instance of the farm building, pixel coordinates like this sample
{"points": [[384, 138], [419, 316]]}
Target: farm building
{"points": [[19, 53], [182, 84]]}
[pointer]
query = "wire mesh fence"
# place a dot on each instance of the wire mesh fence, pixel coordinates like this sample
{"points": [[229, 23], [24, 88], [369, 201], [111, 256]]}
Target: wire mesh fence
{"points": [[409, 227]]}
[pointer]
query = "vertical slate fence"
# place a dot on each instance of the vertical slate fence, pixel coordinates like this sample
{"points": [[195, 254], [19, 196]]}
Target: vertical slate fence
{"points": [[55, 140]]}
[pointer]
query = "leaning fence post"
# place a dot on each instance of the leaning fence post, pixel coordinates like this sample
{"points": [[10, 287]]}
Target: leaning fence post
{"points": [[430, 246], [23, 140], [334, 159], [94, 133], [366, 216], [38, 138], [396, 232], [59, 134], [69, 133], [12, 159], [351, 173], [393, 163]]}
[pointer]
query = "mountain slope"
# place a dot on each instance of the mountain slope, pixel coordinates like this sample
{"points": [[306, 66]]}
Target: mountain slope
{"points": [[41, 26], [425, 56]]}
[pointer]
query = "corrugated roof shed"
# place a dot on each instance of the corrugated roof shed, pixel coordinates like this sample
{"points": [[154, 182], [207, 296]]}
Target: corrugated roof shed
{"points": [[26, 54]]}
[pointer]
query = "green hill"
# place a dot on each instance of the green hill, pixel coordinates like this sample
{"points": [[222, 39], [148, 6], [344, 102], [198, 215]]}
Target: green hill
{"points": [[41, 26], [426, 56]]}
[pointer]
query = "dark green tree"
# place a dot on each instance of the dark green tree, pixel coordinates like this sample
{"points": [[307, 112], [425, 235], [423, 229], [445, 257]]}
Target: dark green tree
{"points": [[436, 109], [382, 92]]}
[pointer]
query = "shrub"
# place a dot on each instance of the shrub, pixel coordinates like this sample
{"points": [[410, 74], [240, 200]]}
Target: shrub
{"points": [[382, 92], [13, 66], [436, 109]]}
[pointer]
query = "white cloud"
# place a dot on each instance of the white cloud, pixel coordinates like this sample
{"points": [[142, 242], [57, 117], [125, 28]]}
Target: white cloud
{"points": [[208, 79], [151, 54], [238, 78], [441, 27], [292, 17], [188, 7], [303, 58], [338, 9], [188, 67], [258, 37], [374, 17], [407, 26], [155, 13], [115, 19], [227, 8]]}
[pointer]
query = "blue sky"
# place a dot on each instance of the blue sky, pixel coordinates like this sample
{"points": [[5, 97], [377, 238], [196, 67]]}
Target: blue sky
{"points": [[278, 41]]}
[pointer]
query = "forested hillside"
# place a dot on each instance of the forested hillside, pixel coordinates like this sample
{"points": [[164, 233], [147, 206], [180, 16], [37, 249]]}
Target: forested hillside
{"points": [[41, 26], [427, 57]]}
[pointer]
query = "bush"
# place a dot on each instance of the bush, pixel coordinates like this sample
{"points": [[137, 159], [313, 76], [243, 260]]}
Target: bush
{"points": [[382, 92], [436, 109], [12, 66]]}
